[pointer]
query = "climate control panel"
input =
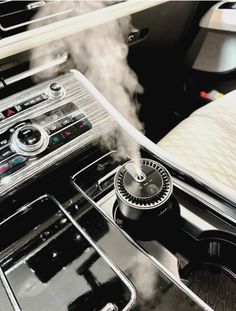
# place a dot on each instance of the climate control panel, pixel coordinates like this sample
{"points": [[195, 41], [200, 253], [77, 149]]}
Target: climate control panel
{"points": [[54, 119], [41, 135]]}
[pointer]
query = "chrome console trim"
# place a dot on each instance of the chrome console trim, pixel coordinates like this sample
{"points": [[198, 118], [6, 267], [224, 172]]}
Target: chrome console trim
{"points": [[33, 71], [100, 252], [71, 220], [9, 291]]}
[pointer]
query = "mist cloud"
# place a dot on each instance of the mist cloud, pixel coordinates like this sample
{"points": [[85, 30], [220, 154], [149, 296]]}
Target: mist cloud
{"points": [[101, 54]]}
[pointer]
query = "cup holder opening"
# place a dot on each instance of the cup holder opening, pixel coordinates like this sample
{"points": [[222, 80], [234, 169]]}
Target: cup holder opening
{"points": [[210, 272], [151, 225]]}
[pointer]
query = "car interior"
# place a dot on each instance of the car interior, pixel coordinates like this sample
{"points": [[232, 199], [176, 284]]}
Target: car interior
{"points": [[117, 155]]}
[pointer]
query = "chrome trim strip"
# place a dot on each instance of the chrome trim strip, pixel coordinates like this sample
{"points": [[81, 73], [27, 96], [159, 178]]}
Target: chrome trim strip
{"points": [[100, 252], [33, 71], [108, 175], [34, 5], [109, 307], [36, 20], [92, 163], [9, 291], [23, 208], [214, 204]]}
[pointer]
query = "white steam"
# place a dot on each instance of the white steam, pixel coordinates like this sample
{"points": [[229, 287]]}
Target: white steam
{"points": [[145, 277], [155, 291], [101, 55]]}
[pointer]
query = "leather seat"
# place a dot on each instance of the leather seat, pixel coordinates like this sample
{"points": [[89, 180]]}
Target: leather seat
{"points": [[205, 142]]}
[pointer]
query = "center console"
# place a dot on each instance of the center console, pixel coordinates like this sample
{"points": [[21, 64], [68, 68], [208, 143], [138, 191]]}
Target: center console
{"points": [[81, 230], [170, 227], [52, 254], [41, 126]]}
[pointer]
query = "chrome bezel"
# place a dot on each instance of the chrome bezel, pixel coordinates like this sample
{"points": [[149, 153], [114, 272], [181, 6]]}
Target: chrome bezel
{"points": [[31, 150], [55, 94]]}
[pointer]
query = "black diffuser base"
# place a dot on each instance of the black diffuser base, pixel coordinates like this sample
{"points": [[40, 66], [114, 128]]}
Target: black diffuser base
{"points": [[151, 225]]}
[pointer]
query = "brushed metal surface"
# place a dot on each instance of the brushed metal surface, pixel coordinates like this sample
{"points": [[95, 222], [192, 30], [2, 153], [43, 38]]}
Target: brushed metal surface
{"points": [[76, 93]]}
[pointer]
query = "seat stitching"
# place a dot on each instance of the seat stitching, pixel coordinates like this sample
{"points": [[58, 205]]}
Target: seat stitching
{"points": [[217, 120]]}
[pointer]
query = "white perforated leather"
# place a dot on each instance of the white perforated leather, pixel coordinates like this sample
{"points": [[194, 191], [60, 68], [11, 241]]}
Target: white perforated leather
{"points": [[205, 142]]}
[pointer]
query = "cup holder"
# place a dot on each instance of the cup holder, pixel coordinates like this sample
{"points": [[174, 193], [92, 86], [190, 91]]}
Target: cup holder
{"points": [[151, 225], [210, 272]]}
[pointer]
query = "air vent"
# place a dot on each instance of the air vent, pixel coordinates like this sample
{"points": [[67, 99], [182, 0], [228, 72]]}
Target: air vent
{"points": [[15, 14]]}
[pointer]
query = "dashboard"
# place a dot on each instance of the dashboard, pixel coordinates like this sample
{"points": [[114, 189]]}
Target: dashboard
{"points": [[15, 16]]}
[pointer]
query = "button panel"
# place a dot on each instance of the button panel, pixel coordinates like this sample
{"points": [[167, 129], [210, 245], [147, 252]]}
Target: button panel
{"points": [[69, 133], [11, 111], [59, 126], [13, 164]]}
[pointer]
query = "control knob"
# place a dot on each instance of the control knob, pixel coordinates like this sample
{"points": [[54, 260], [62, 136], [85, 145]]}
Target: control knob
{"points": [[29, 140], [55, 90]]}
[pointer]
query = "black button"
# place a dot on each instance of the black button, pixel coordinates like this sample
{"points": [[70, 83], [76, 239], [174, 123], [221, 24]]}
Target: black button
{"points": [[26, 105], [66, 121], [78, 117], [4, 167], [54, 127], [5, 153], [70, 132], [33, 101], [55, 116], [9, 112], [56, 139], [17, 160], [56, 87], [29, 136], [83, 126], [3, 142]]}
